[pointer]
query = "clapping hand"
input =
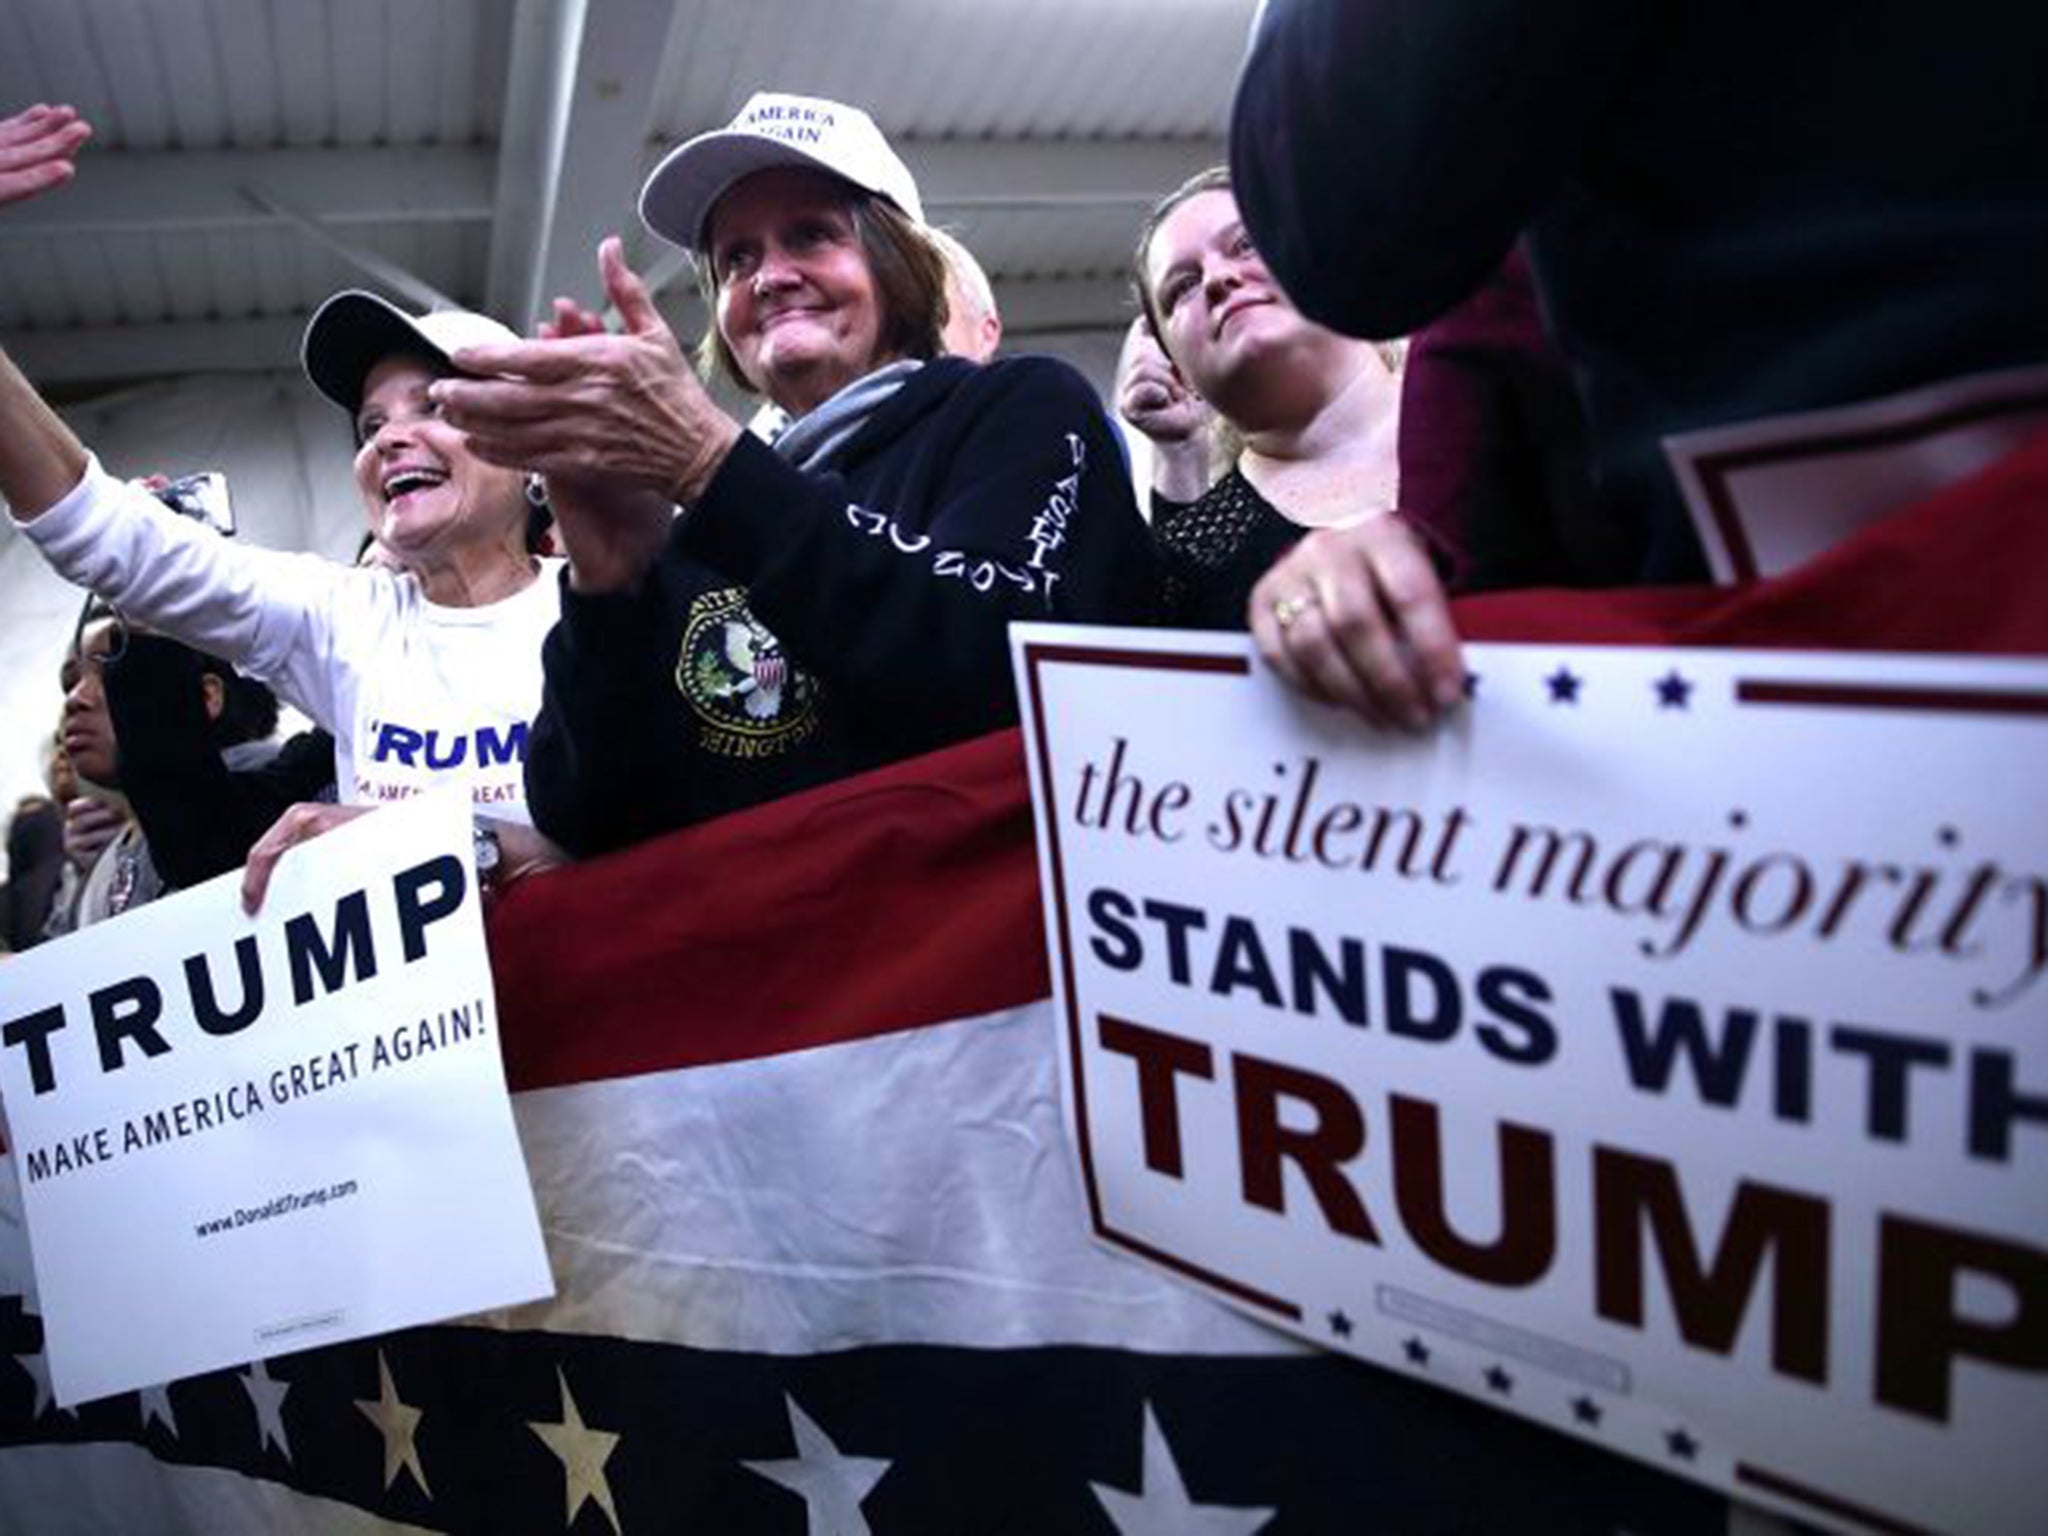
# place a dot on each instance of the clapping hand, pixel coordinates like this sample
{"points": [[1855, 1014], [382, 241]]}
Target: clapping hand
{"points": [[589, 403]]}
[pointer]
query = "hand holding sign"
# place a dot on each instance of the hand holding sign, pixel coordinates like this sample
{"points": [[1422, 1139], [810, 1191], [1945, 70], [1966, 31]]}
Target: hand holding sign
{"points": [[1613, 1041], [1356, 617], [229, 1105], [299, 824]]}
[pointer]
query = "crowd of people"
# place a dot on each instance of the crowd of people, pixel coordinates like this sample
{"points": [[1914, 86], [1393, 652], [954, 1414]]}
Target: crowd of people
{"points": [[612, 610]]}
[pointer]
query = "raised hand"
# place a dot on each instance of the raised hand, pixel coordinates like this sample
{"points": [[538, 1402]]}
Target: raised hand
{"points": [[90, 823], [571, 319], [593, 405], [37, 147], [1179, 423], [1150, 394]]}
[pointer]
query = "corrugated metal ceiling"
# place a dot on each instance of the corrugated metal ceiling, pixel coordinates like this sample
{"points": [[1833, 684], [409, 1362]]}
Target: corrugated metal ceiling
{"points": [[484, 145], [265, 74], [973, 69]]}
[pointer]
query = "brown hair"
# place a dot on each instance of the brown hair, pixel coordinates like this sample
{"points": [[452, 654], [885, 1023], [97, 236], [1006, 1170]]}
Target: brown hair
{"points": [[910, 283]]}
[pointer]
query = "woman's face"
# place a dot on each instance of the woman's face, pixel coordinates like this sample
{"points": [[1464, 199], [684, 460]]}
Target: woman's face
{"points": [[424, 491], [797, 302], [1218, 305], [87, 727]]}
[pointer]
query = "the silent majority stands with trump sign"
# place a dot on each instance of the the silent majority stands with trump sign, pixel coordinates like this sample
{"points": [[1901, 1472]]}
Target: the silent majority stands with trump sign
{"points": [[1644, 1091], [1630, 1101]]}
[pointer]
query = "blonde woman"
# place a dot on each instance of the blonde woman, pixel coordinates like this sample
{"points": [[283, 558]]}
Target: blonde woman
{"points": [[1295, 541]]}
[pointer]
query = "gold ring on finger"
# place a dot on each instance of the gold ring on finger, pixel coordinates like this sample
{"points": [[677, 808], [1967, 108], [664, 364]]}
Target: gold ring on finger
{"points": [[1287, 609]]}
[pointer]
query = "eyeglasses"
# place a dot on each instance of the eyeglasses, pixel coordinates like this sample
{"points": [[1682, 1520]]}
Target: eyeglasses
{"points": [[78, 663]]}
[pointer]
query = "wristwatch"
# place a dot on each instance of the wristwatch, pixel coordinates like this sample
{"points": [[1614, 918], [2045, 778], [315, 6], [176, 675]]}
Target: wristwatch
{"points": [[489, 853]]}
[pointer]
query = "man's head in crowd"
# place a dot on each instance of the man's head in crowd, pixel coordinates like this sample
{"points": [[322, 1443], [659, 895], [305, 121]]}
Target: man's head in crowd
{"points": [[974, 329], [240, 708]]}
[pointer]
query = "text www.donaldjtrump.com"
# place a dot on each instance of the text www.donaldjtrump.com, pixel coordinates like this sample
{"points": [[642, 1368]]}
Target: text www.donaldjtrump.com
{"points": [[276, 1206]]}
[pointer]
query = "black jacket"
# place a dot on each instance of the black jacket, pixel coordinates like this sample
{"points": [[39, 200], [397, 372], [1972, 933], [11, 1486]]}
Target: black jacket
{"points": [[199, 816], [1736, 209], [800, 627]]}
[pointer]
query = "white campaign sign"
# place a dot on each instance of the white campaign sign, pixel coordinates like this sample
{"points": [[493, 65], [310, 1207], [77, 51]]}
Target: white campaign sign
{"points": [[1768, 495], [239, 1137], [1659, 1050]]}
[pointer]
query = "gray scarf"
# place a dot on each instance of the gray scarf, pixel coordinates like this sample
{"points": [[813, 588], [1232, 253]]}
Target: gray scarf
{"points": [[810, 441]]}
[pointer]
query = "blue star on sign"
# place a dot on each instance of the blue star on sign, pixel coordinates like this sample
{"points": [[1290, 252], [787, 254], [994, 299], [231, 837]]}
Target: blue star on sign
{"points": [[1673, 691], [1340, 1325], [1564, 685]]}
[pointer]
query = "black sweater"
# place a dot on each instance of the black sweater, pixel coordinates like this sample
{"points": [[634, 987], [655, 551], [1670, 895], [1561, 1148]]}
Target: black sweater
{"points": [[799, 627]]}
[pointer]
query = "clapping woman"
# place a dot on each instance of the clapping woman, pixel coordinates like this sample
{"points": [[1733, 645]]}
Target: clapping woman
{"points": [[842, 598]]}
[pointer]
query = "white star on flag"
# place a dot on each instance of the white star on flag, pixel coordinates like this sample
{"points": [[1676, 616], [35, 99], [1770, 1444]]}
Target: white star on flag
{"points": [[583, 1453], [831, 1485], [155, 1403], [38, 1368], [267, 1396], [398, 1423], [1161, 1507]]}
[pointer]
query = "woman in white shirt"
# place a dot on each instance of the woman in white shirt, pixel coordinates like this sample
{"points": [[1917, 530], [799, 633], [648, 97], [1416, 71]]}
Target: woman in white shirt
{"points": [[423, 674]]}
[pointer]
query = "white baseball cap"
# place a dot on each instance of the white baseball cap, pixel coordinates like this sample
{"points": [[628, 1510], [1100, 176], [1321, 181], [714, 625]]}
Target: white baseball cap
{"points": [[355, 331], [773, 129]]}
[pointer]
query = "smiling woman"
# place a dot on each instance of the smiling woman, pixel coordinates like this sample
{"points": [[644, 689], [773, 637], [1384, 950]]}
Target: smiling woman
{"points": [[424, 673], [1295, 542], [811, 288], [836, 601]]}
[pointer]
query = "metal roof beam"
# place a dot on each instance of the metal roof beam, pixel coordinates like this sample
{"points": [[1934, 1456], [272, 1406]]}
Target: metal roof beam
{"points": [[1036, 306], [95, 354], [387, 274], [581, 96], [153, 192], [1030, 307], [598, 181], [547, 41], [1045, 173]]}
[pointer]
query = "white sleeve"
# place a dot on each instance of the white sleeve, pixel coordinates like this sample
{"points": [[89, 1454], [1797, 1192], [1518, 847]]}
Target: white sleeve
{"points": [[268, 612]]}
